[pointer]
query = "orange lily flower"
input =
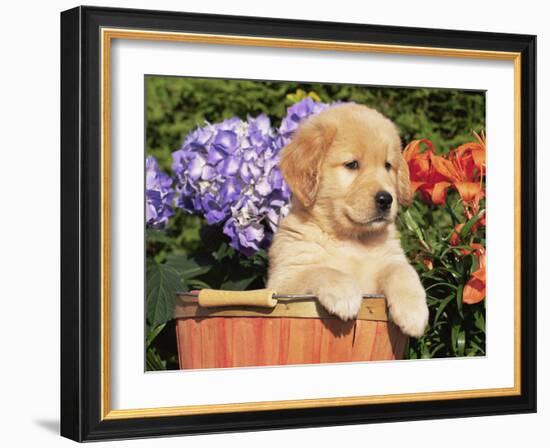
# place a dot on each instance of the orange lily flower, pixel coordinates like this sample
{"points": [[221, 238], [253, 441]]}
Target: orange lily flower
{"points": [[465, 168], [423, 173], [455, 237], [474, 290]]}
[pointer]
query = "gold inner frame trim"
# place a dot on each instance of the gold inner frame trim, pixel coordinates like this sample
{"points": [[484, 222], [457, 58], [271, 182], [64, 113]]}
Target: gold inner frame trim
{"points": [[107, 35]]}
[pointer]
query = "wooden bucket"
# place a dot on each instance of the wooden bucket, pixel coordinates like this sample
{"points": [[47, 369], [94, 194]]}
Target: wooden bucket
{"points": [[292, 332]]}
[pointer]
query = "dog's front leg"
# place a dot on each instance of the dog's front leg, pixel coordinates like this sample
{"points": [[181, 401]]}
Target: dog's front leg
{"points": [[337, 292], [406, 298]]}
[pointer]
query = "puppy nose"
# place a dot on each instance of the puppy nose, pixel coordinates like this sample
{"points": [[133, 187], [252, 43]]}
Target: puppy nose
{"points": [[383, 200]]}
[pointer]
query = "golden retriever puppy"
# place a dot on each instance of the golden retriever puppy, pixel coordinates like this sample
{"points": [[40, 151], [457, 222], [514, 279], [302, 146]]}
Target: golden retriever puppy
{"points": [[347, 175]]}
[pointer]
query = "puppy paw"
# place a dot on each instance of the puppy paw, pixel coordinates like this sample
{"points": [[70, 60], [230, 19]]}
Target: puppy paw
{"points": [[343, 300], [410, 312]]}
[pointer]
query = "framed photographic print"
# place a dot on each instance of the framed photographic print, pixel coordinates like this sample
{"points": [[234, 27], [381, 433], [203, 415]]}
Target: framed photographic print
{"points": [[273, 223]]}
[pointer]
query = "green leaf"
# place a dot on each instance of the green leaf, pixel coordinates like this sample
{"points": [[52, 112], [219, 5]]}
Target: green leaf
{"points": [[436, 349], [188, 268], [458, 340], [452, 212], [425, 352], [455, 249], [195, 283], [453, 287], [238, 284], [479, 321], [459, 292], [466, 229], [431, 276], [412, 224], [461, 343], [223, 251], [448, 269], [158, 236], [477, 348], [153, 361], [163, 281], [441, 307], [151, 335]]}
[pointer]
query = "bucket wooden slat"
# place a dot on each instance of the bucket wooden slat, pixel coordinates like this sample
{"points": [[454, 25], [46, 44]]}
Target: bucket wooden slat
{"points": [[223, 338]]}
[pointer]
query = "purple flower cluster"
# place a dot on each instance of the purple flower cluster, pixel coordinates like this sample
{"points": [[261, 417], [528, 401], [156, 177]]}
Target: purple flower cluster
{"points": [[296, 113], [228, 172], [159, 195]]}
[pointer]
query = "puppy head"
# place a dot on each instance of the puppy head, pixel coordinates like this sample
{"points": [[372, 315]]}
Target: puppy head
{"points": [[344, 166]]}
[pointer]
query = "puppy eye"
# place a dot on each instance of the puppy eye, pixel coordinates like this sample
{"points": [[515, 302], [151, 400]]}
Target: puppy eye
{"points": [[353, 165], [388, 166]]}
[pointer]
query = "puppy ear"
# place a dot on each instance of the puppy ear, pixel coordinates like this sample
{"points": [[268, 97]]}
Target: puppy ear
{"points": [[302, 158], [404, 193]]}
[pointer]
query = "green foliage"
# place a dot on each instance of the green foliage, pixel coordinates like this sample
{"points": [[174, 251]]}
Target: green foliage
{"points": [[163, 281], [174, 106], [188, 254], [455, 328], [212, 264]]}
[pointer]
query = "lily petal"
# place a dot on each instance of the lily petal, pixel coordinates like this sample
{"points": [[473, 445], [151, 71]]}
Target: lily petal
{"points": [[439, 192], [445, 168], [469, 191], [474, 290]]}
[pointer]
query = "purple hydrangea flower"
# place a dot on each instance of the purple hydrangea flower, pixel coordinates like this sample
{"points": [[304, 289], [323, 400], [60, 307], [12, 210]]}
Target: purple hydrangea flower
{"points": [[296, 113], [228, 172], [159, 195]]}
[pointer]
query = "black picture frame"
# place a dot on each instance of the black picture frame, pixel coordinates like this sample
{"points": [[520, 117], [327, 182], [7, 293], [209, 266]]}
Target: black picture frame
{"points": [[81, 208]]}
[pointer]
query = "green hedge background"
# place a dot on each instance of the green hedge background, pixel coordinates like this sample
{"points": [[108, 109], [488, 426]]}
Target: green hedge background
{"points": [[447, 117], [177, 105]]}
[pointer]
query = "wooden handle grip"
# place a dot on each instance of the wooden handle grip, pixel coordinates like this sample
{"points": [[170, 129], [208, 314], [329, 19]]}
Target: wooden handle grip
{"points": [[259, 297]]}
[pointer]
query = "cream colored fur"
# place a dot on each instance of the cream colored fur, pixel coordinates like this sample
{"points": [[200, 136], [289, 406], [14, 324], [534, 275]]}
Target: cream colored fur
{"points": [[335, 243]]}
